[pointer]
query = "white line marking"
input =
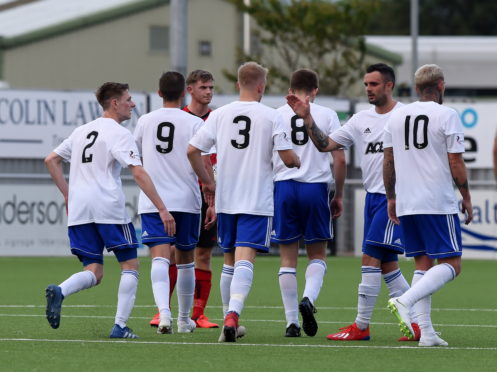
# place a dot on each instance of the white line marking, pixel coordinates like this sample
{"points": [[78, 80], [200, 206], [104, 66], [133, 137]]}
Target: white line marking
{"points": [[329, 346]]}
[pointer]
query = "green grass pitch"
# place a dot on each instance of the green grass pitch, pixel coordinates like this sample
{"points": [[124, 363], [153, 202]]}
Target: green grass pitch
{"points": [[465, 311]]}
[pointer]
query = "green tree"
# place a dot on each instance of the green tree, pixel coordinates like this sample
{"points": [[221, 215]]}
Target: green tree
{"points": [[326, 36]]}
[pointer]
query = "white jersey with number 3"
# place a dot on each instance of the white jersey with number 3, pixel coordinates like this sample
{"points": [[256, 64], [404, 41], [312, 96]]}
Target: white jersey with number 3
{"points": [[162, 137], [245, 134], [422, 134], [97, 152], [315, 165]]}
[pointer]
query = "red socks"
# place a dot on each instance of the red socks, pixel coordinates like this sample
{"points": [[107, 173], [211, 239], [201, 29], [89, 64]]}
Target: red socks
{"points": [[203, 283]]}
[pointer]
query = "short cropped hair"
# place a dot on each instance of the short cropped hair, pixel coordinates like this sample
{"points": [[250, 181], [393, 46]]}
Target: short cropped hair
{"points": [[108, 91], [386, 71], [171, 85], [428, 76], [199, 75], [304, 80], [251, 73]]}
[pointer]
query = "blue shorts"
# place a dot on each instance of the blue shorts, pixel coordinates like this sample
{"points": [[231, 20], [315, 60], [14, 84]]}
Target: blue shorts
{"points": [[380, 234], [89, 240], [433, 235], [187, 230], [244, 230], [301, 210]]}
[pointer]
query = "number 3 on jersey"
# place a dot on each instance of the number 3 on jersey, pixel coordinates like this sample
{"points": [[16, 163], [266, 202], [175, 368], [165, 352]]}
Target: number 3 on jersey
{"points": [[245, 132], [420, 119]]}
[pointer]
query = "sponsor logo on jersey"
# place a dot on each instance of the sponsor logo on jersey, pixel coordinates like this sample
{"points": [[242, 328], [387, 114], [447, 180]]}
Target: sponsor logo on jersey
{"points": [[132, 155], [374, 147], [367, 131]]}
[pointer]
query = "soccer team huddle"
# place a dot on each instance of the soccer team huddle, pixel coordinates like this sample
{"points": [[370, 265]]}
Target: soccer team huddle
{"points": [[265, 176]]}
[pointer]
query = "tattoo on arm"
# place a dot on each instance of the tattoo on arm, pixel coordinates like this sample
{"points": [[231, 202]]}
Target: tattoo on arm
{"points": [[318, 137], [389, 177]]}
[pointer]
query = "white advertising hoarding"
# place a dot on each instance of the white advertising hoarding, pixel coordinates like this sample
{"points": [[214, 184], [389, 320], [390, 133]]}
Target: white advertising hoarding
{"points": [[479, 238], [33, 123], [33, 220]]}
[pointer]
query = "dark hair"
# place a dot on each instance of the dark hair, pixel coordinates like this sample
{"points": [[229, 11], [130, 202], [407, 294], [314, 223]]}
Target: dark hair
{"points": [[199, 75], [171, 85], [108, 91], [304, 80], [386, 72]]}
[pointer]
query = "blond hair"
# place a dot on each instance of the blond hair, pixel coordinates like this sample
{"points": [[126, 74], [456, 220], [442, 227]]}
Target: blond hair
{"points": [[428, 76], [251, 74]]}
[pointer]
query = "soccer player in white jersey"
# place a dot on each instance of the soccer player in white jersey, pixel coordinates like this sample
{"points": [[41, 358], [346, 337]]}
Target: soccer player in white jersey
{"points": [[245, 134], [382, 241], [302, 205], [97, 215], [162, 137], [200, 86], [423, 144]]}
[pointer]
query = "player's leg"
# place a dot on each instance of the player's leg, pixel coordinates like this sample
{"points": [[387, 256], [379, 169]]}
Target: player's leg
{"points": [[314, 275], [121, 240], [287, 231], [159, 275], [315, 213], [203, 285], [375, 226], [441, 236], [187, 232], [287, 277], [87, 245], [159, 243], [252, 234]]}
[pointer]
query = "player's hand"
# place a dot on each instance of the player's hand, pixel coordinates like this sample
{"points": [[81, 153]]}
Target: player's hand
{"points": [[392, 213], [336, 206], [168, 221], [209, 190], [301, 108], [467, 210], [210, 218]]}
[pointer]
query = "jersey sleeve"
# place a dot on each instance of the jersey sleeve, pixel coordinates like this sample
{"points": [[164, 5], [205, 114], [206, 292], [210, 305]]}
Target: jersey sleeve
{"points": [[454, 133], [138, 134], [205, 137], [281, 137], [387, 135], [125, 151], [64, 150], [344, 135]]}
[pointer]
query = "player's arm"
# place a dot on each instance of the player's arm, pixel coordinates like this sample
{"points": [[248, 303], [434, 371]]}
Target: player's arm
{"points": [[389, 181], [53, 162], [303, 109], [459, 175], [145, 183], [289, 158], [208, 186], [340, 172]]}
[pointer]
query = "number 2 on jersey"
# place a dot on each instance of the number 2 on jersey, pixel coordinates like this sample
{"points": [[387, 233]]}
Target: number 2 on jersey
{"points": [[166, 139], [407, 131], [245, 132], [92, 136]]}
